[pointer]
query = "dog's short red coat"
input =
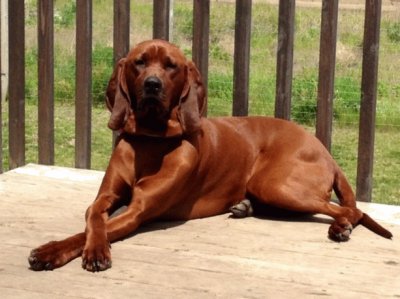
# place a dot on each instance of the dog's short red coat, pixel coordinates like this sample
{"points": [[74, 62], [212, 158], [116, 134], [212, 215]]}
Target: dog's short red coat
{"points": [[170, 163]]}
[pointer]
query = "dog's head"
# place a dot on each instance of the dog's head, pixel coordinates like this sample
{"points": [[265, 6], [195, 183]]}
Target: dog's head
{"points": [[155, 91]]}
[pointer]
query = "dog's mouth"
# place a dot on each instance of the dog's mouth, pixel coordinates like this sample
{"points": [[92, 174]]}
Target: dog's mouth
{"points": [[149, 105], [151, 113], [152, 106]]}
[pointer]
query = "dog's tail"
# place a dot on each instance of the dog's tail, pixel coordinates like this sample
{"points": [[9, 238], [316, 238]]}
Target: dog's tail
{"points": [[375, 227], [347, 198]]}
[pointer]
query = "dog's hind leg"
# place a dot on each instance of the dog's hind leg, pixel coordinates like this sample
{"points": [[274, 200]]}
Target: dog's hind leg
{"points": [[242, 209], [310, 195], [347, 199]]}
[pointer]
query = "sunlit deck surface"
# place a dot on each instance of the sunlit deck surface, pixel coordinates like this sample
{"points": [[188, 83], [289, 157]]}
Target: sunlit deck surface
{"points": [[216, 257]]}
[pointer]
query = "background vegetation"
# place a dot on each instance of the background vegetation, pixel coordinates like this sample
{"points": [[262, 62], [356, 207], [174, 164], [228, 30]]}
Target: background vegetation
{"points": [[262, 84]]}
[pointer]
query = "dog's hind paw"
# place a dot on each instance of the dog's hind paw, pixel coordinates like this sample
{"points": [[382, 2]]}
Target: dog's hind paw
{"points": [[242, 209], [340, 233]]}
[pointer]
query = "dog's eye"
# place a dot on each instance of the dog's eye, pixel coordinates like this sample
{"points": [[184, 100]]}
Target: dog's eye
{"points": [[139, 62], [170, 65]]}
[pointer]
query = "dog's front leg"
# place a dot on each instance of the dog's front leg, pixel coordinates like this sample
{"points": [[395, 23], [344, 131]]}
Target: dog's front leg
{"points": [[118, 178], [152, 196]]}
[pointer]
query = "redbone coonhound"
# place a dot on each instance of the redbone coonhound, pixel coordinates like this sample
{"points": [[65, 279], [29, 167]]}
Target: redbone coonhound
{"points": [[172, 164]]}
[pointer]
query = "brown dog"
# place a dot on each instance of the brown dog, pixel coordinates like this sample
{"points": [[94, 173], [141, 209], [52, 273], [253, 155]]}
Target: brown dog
{"points": [[172, 164]]}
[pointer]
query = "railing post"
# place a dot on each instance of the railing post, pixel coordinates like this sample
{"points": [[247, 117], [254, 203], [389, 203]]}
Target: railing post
{"points": [[121, 40], [16, 43], [241, 58], [284, 62], [46, 82], [368, 99], [326, 78], [161, 19], [121, 28], [83, 83], [200, 46]]}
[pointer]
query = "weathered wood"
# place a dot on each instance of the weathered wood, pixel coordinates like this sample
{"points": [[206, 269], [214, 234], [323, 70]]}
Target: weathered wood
{"points": [[161, 19], [121, 28], [284, 59], [369, 83], [326, 78], [241, 58], [45, 82], [206, 258], [83, 99], [16, 96], [201, 32]]}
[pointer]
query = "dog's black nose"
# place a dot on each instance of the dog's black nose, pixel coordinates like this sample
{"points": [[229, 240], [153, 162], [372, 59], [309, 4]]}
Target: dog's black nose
{"points": [[152, 84]]}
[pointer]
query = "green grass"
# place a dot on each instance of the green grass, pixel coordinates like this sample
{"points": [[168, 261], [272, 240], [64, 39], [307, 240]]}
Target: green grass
{"points": [[64, 137], [262, 78], [386, 157]]}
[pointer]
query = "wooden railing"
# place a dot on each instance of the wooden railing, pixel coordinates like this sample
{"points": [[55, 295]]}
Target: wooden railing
{"points": [[200, 50]]}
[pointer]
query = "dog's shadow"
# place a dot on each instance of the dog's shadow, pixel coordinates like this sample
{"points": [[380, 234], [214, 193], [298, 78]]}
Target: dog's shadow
{"points": [[276, 214], [261, 212], [150, 226]]}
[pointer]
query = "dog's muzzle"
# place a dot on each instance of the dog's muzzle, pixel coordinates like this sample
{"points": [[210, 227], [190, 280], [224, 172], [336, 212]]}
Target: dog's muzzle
{"points": [[151, 109], [152, 86]]}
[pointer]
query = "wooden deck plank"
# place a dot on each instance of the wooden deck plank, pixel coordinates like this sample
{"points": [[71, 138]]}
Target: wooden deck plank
{"points": [[213, 257]]}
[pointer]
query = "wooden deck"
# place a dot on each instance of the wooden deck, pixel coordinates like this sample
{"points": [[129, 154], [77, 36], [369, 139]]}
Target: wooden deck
{"points": [[216, 257]]}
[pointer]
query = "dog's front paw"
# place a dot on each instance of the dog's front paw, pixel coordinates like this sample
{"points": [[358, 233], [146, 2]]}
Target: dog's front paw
{"points": [[96, 257], [43, 257], [56, 253], [340, 231], [48, 256]]}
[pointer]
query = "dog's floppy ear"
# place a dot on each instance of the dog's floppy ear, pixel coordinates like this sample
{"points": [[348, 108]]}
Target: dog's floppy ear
{"points": [[192, 101], [117, 97]]}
